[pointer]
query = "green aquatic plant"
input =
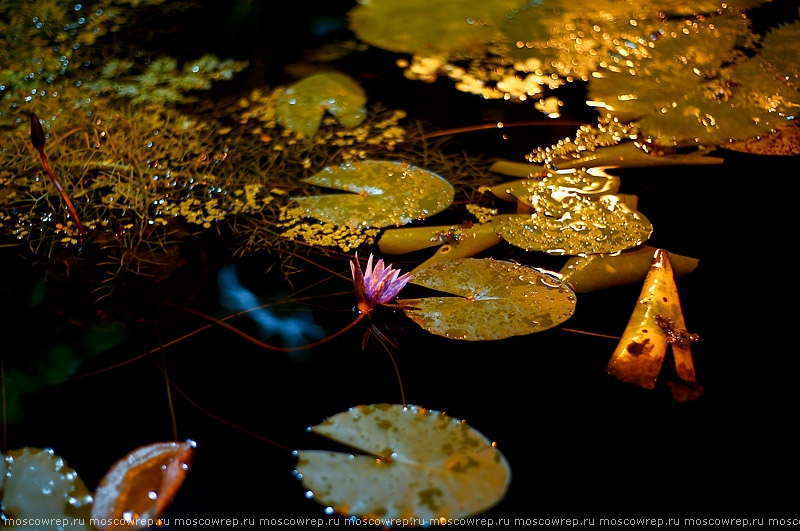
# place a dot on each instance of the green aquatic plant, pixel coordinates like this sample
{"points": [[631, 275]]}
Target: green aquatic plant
{"points": [[686, 72], [420, 465], [493, 300]]}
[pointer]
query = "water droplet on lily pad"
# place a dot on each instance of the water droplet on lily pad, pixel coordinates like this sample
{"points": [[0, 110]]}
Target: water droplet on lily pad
{"points": [[571, 224], [304, 103], [420, 464], [383, 193], [129, 485], [39, 485], [493, 300]]}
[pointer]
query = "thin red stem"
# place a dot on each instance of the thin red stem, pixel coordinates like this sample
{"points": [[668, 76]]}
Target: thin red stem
{"points": [[258, 342], [220, 419], [64, 197]]}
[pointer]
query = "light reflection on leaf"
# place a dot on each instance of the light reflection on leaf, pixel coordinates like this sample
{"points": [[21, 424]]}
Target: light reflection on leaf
{"points": [[598, 271], [421, 464], [384, 193], [494, 300], [142, 483], [569, 224], [641, 350]]}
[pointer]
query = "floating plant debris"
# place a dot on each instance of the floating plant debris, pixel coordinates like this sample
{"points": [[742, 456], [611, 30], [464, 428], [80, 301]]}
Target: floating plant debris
{"points": [[140, 485], [600, 271], [570, 224], [303, 104], [38, 485], [657, 321], [420, 464], [493, 300], [384, 193]]}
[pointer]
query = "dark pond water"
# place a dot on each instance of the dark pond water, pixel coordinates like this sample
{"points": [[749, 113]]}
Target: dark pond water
{"points": [[580, 444]]}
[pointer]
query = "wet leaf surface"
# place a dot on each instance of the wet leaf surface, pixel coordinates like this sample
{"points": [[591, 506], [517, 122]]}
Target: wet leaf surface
{"points": [[657, 321], [582, 183], [493, 300], [141, 484], [303, 104], [569, 224], [419, 464], [383, 193], [594, 272], [39, 485], [454, 241], [413, 27]]}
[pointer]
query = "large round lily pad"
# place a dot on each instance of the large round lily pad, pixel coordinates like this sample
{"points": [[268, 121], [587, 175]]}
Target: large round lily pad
{"points": [[303, 104], [384, 193], [40, 485], [494, 300], [575, 225], [421, 464]]}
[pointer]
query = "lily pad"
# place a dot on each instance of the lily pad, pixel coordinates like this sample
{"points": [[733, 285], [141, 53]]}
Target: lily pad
{"points": [[417, 26], [595, 184], [303, 104], [570, 224], [39, 485], [598, 271], [421, 464], [384, 193], [494, 300], [140, 485]]}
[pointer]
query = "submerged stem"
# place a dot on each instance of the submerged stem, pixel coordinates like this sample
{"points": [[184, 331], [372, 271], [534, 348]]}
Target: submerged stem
{"points": [[397, 373], [220, 419], [258, 342]]}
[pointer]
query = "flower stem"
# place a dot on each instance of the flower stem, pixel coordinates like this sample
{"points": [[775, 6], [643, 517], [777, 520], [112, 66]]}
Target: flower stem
{"points": [[258, 342]]}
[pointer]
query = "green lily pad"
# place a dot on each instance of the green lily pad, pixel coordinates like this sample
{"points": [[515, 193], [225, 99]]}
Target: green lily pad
{"points": [[421, 464], [417, 26], [39, 485], [569, 224], [494, 300], [303, 104], [384, 193]]}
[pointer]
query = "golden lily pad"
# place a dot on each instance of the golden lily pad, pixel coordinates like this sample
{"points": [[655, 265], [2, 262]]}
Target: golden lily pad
{"points": [[420, 464], [585, 184], [657, 321], [303, 104], [494, 300], [384, 193], [566, 223], [599, 271], [39, 485]]}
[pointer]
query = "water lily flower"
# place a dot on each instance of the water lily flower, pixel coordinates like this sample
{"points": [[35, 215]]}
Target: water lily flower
{"points": [[376, 286]]}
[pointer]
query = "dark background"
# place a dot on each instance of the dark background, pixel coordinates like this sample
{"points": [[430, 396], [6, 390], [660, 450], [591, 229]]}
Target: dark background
{"points": [[580, 444]]}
